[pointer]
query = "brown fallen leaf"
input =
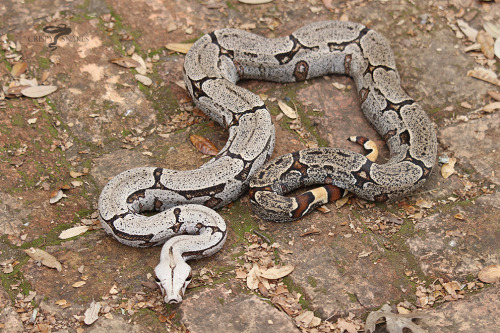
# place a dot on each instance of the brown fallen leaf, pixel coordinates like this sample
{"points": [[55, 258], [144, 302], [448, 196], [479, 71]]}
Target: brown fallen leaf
{"points": [[494, 94], [468, 31], [143, 79], [275, 273], [78, 284], [125, 62], [254, 2], [490, 274], [75, 174], [486, 41], [491, 107], [16, 90], [328, 5], [179, 47], [38, 91], [204, 145], [287, 110], [447, 169], [45, 258], [72, 232], [484, 75], [18, 69]]}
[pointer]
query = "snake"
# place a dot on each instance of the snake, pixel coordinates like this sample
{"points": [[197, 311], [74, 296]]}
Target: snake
{"points": [[183, 202]]}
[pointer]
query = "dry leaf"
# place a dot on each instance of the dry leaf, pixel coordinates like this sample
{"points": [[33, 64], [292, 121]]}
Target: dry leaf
{"points": [[254, 2], [493, 28], [16, 90], [78, 284], [468, 31], [76, 183], [484, 75], [181, 84], [496, 48], [275, 273], [75, 174], [18, 69], [345, 325], [92, 313], [113, 290], [61, 302], [494, 94], [447, 169], [38, 91], [143, 79], [323, 209], [491, 107], [288, 111], [395, 322], [490, 274], [179, 47], [204, 145], [241, 274], [56, 196], [307, 319], [328, 4], [486, 41], [45, 258], [423, 203], [252, 278], [125, 62], [72, 232], [32, 121], [342, 201]]}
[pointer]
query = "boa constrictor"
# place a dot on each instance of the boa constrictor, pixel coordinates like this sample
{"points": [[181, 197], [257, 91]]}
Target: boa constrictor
{"points": [[212, 67]]}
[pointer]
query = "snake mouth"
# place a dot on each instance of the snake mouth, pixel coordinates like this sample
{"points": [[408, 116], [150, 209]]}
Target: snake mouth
{"points": [[176, 300]]}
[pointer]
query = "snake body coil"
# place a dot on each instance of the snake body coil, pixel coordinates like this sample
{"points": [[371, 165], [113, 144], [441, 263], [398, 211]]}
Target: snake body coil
{"points": [[212, 67]]}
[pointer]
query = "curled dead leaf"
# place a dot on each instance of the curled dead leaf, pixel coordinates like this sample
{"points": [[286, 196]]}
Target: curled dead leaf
{"points": [[484, 75], [490, 274], [125, 62], [56, 196], [179, 47], [45, 258], [203, 145], [447, 169]]}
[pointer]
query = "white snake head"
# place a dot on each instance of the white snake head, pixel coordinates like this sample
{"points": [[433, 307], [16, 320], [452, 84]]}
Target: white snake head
{"points": [[173, 280]]}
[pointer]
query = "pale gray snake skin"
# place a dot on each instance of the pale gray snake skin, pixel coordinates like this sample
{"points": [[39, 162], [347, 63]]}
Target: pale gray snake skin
{"points": [[212, 67]]}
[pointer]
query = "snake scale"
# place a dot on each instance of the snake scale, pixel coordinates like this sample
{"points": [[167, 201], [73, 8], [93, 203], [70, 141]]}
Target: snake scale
{"points": [[185, 221]]}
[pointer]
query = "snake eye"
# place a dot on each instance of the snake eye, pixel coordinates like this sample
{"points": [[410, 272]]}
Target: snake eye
{"points": [[156, 278], [190, 276]]}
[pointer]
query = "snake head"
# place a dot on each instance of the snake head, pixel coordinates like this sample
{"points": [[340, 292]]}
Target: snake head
{"points": [[173, 280]]}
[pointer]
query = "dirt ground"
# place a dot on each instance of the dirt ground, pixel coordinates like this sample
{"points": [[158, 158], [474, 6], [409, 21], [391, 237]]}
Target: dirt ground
{"points": [[432, 257]]}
